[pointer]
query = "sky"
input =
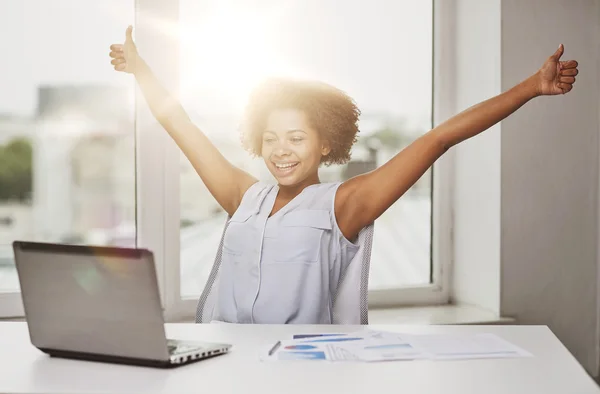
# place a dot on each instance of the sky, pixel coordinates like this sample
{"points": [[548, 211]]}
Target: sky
{"points": [[378, 51]]}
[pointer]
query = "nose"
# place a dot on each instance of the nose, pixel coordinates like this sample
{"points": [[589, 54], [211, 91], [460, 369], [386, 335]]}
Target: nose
{"points": [[281, 149]]}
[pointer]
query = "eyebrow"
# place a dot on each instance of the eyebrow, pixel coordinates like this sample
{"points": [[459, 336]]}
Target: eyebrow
{"points": [[288, 132]]}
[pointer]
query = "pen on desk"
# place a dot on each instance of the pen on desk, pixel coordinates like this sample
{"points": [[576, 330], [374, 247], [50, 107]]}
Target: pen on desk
{"points": [[274, 348]]}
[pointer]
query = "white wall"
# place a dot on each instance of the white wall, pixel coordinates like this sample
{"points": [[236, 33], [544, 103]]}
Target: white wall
{"points": [[550, 176], [542, 168], [477, 161]]}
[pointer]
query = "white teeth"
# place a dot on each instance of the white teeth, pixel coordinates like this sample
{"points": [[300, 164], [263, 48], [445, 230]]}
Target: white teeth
{"points": [[288, 165]]}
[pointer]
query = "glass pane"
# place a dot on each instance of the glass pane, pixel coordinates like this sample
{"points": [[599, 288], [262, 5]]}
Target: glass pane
{"points": [[67, 170], [379, 52]]}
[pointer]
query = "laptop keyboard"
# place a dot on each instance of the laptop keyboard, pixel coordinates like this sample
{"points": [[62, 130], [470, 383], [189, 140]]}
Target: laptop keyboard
{"points": [[177, 347]]}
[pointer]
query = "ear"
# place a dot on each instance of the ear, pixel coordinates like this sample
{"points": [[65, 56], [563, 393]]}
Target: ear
{"points": [[325, 148]]}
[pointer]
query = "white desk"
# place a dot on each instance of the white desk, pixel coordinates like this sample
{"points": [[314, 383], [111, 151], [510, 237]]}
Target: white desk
{"points": [[23, 369]]}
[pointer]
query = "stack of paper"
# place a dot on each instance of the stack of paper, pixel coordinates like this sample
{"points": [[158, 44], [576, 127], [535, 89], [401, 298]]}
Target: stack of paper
{"points": [[372, 345]]}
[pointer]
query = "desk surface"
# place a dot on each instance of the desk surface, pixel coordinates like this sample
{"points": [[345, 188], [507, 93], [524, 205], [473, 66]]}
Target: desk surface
{"points": [[24, 369]]}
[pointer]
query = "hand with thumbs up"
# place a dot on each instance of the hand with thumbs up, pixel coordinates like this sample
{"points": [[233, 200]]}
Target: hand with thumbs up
{"points": [[125, 56], [556, 76]]}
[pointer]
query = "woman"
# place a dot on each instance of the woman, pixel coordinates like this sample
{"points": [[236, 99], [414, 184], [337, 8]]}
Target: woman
{"points": [[288, 243]]}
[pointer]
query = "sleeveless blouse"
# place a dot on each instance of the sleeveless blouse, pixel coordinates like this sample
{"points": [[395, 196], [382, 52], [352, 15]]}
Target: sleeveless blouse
{"points": [[284, 268]]}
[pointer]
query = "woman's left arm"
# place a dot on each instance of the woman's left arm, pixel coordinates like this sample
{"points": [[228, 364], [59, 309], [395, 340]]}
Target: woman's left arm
{"points": [[364, 198]]}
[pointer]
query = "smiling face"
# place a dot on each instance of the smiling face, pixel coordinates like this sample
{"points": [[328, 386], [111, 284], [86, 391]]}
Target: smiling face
{"points": [[291, 148]]}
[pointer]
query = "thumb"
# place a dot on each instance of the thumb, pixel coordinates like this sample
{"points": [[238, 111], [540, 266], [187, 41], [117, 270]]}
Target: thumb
{"points": [[128, 33], [559, 52]]}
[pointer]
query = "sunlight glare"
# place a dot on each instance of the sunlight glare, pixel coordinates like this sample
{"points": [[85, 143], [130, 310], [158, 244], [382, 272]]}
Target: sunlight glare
{"points": [[227, 54]]}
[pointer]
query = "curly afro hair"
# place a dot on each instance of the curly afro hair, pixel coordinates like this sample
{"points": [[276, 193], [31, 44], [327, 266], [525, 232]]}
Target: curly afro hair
{"points": [[329, 110]]}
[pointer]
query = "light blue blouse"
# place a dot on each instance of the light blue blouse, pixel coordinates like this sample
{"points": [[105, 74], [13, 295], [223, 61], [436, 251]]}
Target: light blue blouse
{"points": [[286, 268]]}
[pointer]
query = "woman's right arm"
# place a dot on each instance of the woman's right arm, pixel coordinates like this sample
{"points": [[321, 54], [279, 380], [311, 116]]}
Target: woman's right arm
{"points": [[226, 182]]}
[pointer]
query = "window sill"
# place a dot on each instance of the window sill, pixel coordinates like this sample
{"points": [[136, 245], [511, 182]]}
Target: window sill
{"points": [[441, 314]]}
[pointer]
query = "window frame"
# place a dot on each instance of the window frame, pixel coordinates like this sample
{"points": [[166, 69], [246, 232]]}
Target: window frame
{"points": [[437, 292], [158, 170]]}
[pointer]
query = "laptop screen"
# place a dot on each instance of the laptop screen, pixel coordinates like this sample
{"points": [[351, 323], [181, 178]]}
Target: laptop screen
{"points": [[90, 299]]}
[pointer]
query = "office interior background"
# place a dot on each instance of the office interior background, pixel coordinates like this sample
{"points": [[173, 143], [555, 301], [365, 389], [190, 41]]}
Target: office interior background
{"points": [[505, 227]]}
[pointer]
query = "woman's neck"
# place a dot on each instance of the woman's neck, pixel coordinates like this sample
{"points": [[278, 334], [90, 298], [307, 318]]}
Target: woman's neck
{"points": [[287, 192]]}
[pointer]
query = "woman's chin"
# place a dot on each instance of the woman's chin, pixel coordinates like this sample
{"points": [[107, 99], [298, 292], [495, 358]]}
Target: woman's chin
{"points": [[285, 177], [286, 181]]}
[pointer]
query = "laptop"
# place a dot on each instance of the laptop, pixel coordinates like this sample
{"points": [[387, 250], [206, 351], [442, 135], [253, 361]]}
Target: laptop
{"points": [[99, 304]]}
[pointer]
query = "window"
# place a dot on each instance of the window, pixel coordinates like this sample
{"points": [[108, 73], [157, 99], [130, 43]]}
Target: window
{"points": [[380, 52], [73, 170], [67, 168]]}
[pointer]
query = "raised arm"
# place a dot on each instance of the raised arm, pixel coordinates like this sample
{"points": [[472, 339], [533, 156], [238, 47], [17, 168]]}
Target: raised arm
{"points": [[225, 182], [364, 198]]}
